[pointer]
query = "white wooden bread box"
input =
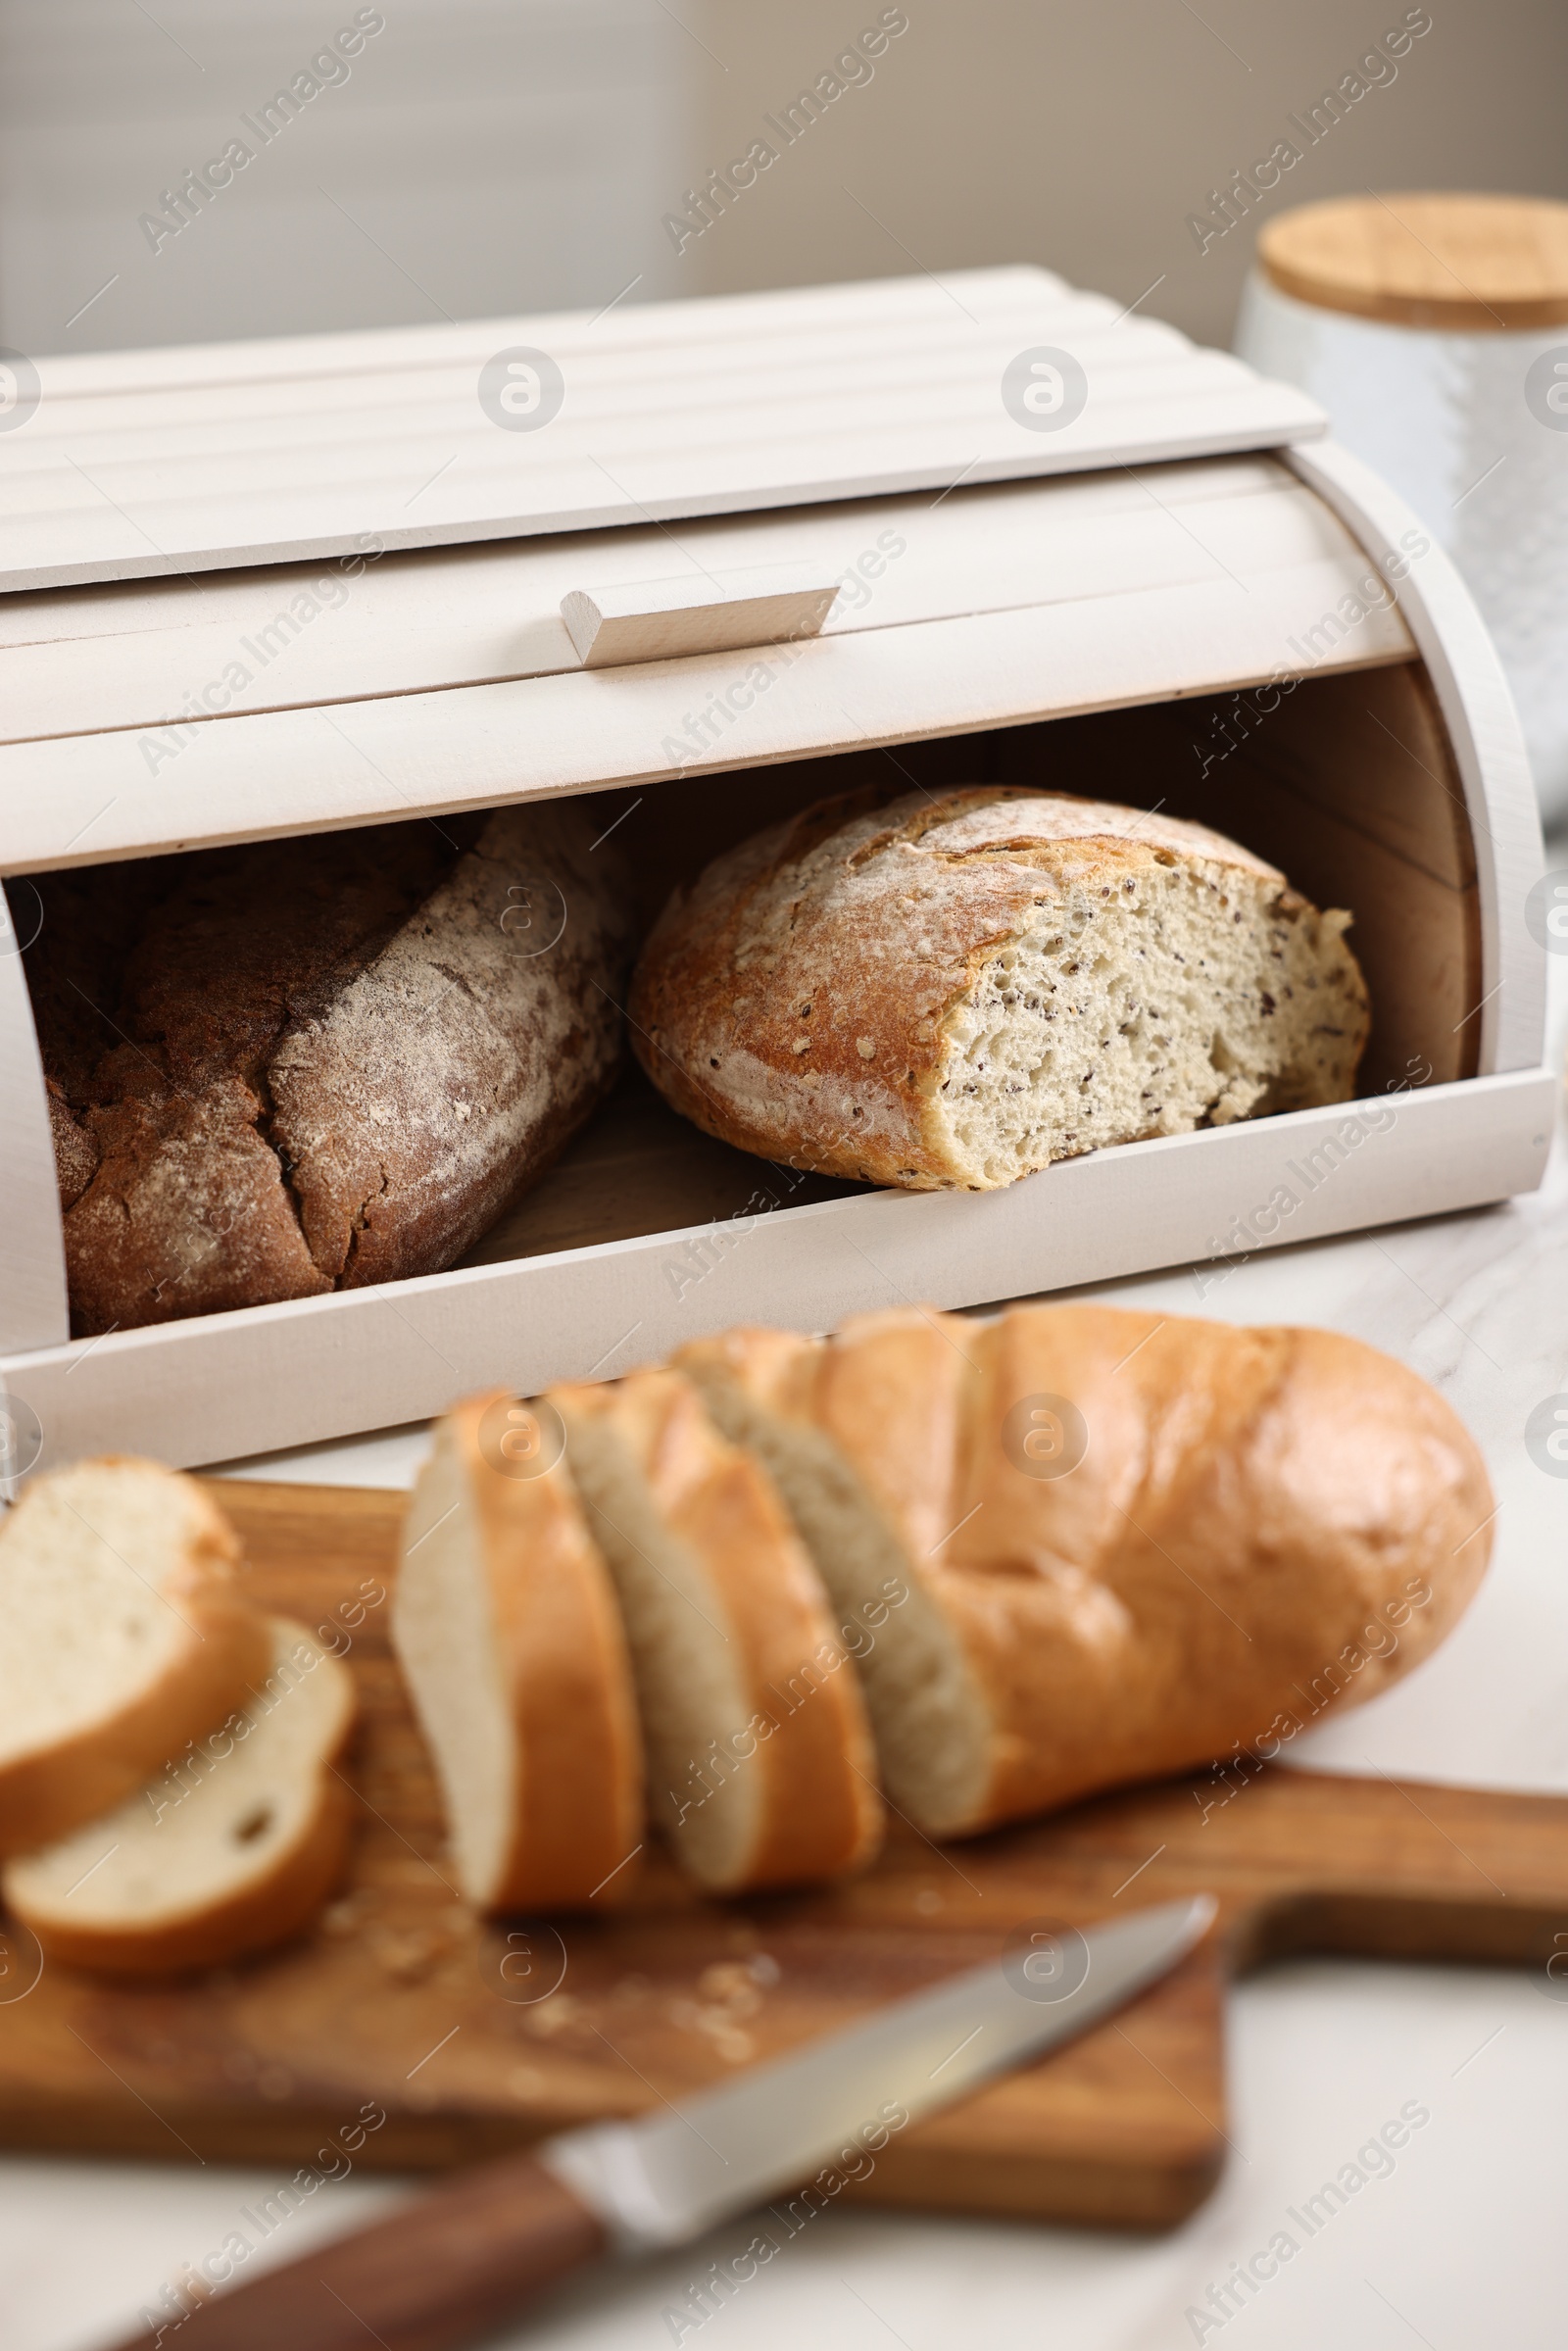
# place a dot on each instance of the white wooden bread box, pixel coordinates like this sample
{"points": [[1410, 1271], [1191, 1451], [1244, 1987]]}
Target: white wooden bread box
{"points": [[1163, 599]]}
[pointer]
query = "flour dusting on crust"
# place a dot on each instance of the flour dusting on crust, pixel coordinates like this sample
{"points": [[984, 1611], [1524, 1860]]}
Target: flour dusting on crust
{"points": [[309, 1064]]}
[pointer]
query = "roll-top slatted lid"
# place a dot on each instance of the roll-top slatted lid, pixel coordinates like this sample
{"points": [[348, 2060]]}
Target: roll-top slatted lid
{"points": [[135, 717], [141, 464]]}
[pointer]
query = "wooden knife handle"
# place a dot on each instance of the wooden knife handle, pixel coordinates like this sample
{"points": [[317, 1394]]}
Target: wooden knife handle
{"points": [[439, 2271]]}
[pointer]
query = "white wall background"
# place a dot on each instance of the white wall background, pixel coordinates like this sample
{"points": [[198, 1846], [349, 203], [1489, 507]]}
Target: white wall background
{"points": [[489, 157], [506, 155]]}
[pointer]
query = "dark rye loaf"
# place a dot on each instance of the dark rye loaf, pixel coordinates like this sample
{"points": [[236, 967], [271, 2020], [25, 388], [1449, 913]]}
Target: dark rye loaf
{"points": [[312, 1065]]}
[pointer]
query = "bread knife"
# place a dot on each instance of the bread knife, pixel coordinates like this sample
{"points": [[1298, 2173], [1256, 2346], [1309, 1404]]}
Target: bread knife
{"points": [[451, 2266]]}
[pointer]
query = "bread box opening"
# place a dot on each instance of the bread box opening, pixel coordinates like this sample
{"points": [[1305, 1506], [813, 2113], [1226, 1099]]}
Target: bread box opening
{"points": [[1347, 783]]}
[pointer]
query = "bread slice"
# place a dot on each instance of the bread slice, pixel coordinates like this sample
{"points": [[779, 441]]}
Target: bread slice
{"points": [[861, 1437], [505, 1623], [123, 1636], [1131, 1543], [951, 992], [760, 1762], [233, 1849]]}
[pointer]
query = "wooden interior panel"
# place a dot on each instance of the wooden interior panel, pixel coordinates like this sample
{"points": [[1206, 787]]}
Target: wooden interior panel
{"points": [[1373, 747], [639, 1167], [1367, 745]]}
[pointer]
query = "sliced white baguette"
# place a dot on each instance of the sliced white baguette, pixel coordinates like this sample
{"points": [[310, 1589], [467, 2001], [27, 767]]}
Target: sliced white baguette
{"points": [[123, 1636], [760, 1761], [505, 1623], [233, 1849], [1126, 1543]]}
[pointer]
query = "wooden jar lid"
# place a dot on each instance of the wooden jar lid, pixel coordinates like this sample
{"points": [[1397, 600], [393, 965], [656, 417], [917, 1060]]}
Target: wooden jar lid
{"points": [[1474, 264]]}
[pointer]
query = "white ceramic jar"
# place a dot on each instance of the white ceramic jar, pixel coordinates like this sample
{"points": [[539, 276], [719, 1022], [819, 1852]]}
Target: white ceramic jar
{"points": [[1435, 331]]}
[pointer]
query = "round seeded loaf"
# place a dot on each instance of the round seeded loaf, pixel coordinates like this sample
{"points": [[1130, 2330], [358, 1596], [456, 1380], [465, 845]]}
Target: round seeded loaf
{"points": [[312, 1065], [950, 991]]}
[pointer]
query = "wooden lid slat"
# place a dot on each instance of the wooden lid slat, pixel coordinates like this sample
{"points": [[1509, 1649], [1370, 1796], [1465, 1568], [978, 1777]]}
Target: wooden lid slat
{"points": [[142, 464]]}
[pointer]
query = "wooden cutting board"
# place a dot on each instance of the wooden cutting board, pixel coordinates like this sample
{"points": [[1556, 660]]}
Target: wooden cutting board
{"points": [[470, 2039]]}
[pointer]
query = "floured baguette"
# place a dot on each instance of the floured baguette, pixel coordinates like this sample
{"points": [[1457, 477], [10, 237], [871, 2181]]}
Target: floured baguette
{"points": [[123, 1636], [951, 991], [233, 1849], [1130, 1544], [762, 1767], [505, 1624]]}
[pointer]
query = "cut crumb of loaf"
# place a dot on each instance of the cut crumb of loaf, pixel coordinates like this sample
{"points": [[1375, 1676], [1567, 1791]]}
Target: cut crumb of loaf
{"points": [[954, 993], [761, 1763], [123, 1636], [506, 1626], [1132, 1542], [933, 1727], [235, 1847]]}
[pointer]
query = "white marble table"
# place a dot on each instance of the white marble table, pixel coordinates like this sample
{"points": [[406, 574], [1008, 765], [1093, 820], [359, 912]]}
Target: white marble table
{"points": [[1463, 2245]]}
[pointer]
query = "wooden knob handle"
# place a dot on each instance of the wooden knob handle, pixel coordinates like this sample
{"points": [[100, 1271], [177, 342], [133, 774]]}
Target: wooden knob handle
{"points": [[438, 2272]]}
